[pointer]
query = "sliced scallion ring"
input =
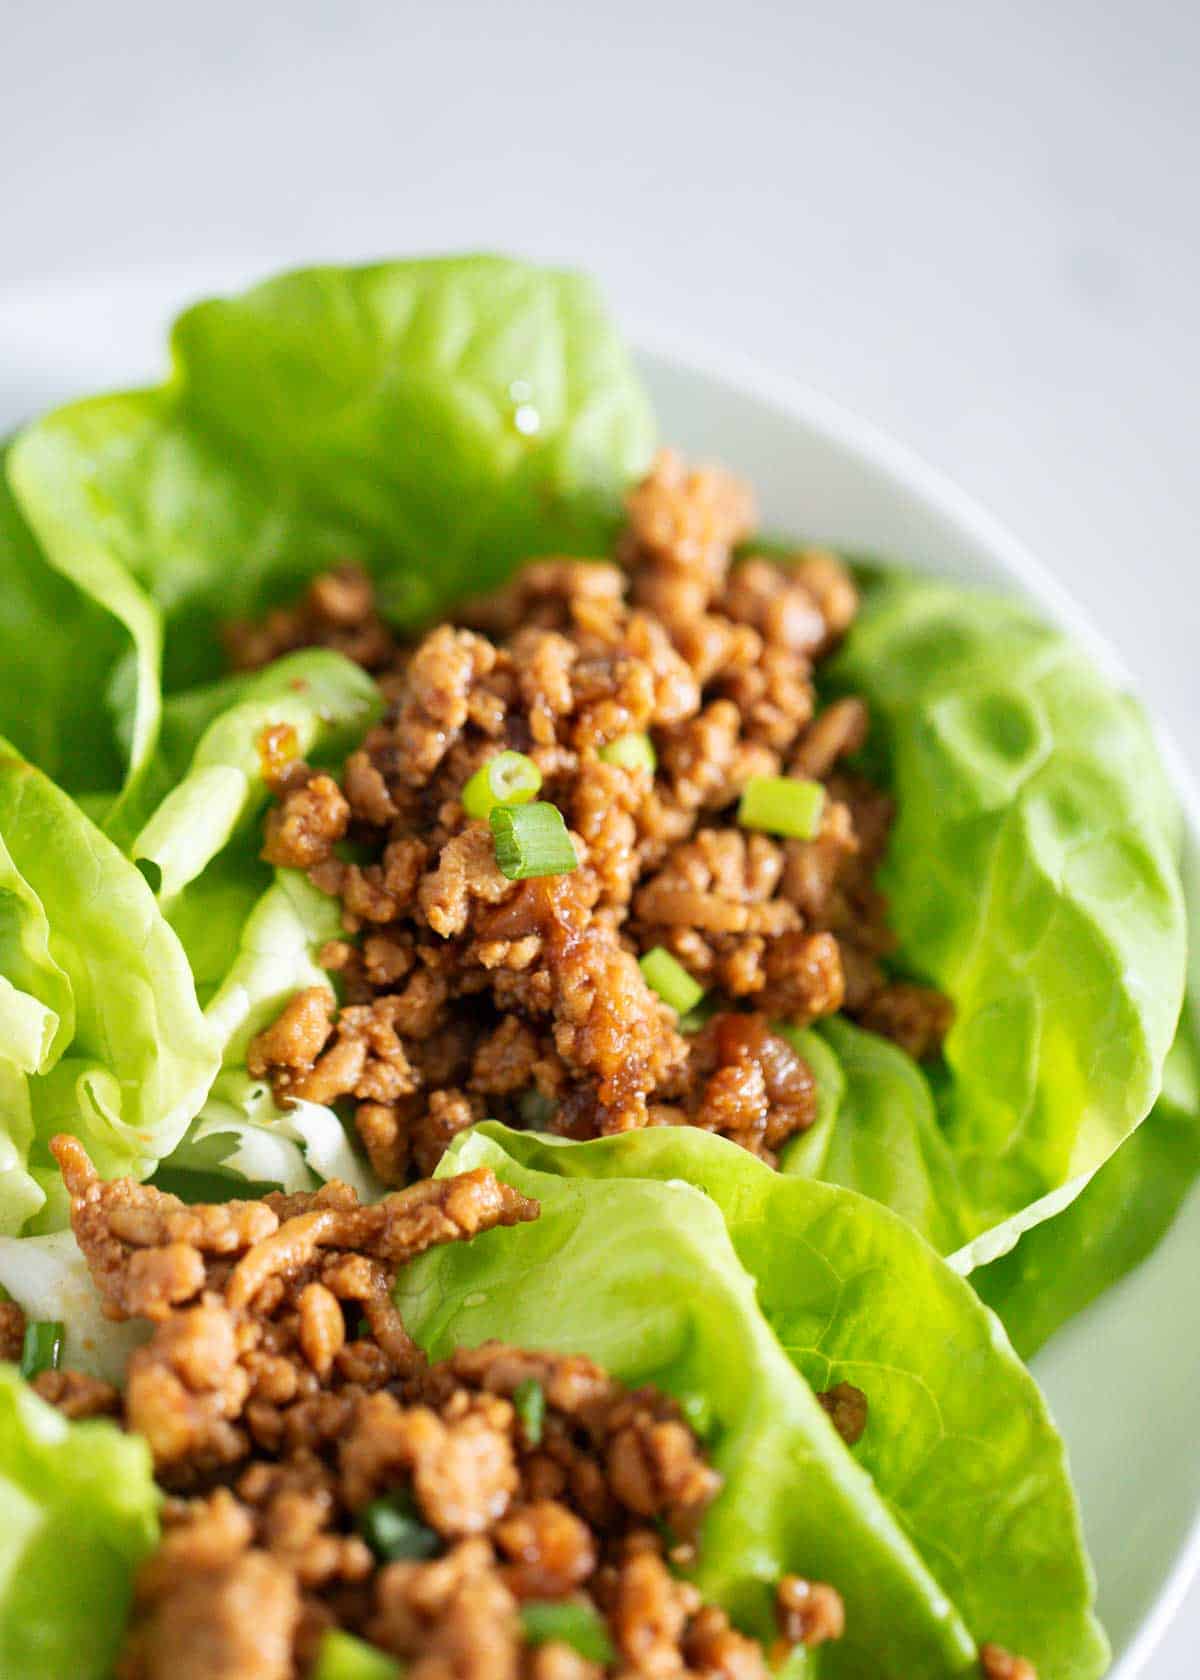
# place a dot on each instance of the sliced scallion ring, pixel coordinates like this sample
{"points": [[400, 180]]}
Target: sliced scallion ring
{"points": [[341, 1656], [570, 1622], [42, 1348], [531, 840], [668, 977], [392, 1527], [785, 805], [632, 752], [511, 778], [529, 1402]]}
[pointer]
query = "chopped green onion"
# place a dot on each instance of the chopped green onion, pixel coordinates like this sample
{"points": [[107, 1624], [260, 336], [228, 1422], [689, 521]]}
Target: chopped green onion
{"points": [[631, 752], [42, 1348], [529, 1400], [695, 1020], [670, 980], [532, 840], [570, 1621], [782, 805], [392, 1529], [508, 779], [536, 1111], [340, 1656]]}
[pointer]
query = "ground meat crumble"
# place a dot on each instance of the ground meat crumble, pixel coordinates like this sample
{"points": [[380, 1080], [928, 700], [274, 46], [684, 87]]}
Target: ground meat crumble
{"points": [[321, 1475], [290, 1417], [462, 993]]}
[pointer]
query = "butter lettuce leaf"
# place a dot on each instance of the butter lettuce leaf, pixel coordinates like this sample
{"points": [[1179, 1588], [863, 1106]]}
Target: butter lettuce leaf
{"points": [[37, 1007], [133, 1058], [880, 1135], [78, 1513], [191, 821], [206, 780], [1032, 876], [437, 420], [960, 1450], [68, 640], [21, 1196], [276, 958], [241, 1137], [1058, 1269]]}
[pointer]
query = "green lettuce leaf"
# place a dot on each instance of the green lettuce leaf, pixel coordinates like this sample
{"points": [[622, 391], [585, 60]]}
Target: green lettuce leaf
{"points": [[437, 420], [1032, 876], [206, 782], [276, 958], [656, 1276], [880, 1134], [65, 651], [642, 1277], [192, 819], [21, 1195], [127, 695], [210, 915], [240, 1135], [1058, 1269], [37, 1008], [78, 1513], [132, 1058]]}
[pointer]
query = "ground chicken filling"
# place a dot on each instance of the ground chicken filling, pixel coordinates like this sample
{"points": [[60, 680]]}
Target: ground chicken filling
{"points": [[463, 993], [504, 1515]]}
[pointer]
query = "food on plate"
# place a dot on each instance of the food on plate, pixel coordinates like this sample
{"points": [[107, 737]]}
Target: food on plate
{"points": [[424, 795]]}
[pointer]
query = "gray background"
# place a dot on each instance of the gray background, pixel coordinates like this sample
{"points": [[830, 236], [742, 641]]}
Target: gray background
{"points": [[975, 223]]}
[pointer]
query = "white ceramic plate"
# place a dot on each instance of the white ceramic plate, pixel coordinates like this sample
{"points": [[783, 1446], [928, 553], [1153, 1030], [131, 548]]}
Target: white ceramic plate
{"points": [[1123, 1378]]}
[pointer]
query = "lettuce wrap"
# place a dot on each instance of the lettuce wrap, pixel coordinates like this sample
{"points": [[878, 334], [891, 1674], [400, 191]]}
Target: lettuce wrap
{"points": [[674, 1257]]}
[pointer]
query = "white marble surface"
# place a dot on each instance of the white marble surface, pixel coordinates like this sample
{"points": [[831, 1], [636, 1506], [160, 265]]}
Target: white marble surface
{"points": [[974, 222]]}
